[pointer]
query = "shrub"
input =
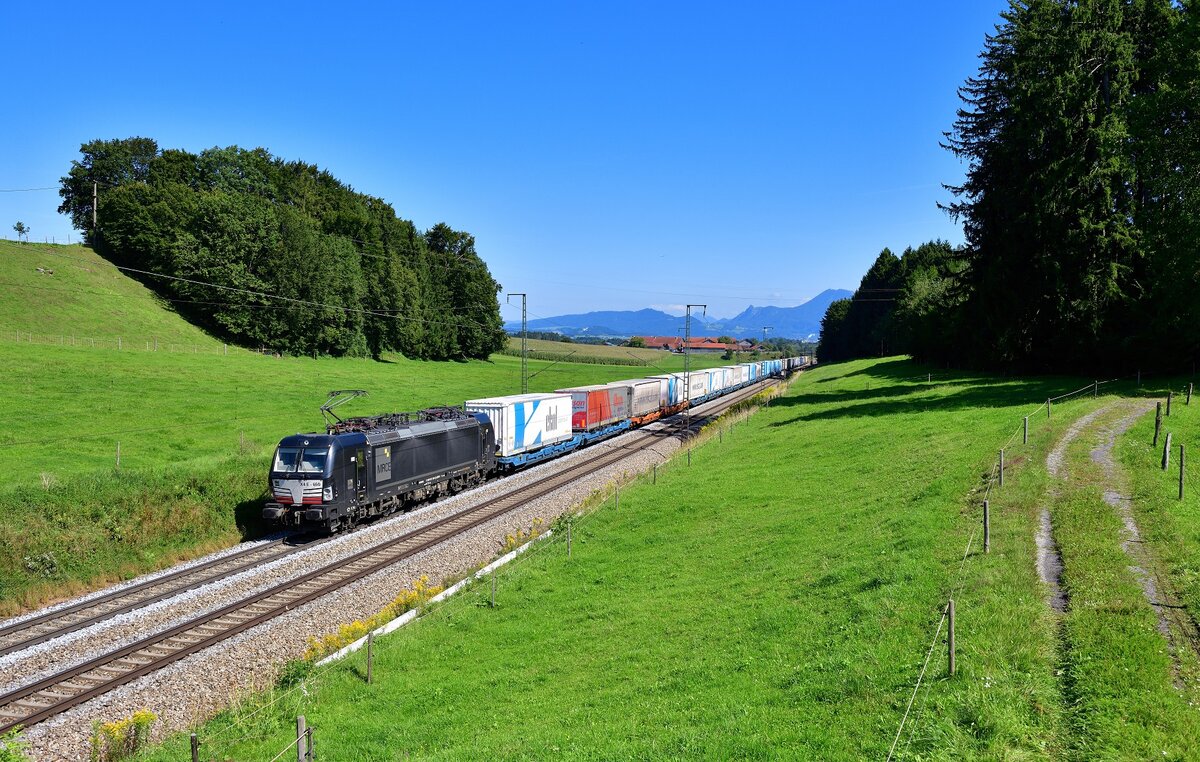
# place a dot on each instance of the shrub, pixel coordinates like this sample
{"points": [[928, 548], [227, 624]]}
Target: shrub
{"points": [[120, 739]]}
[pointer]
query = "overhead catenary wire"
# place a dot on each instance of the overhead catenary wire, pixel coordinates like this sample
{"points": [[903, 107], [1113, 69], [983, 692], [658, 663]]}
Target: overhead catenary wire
{"points": [[268, 295]]}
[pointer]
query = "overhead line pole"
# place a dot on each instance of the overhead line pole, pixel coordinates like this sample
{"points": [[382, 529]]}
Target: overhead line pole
{"points": [[687, 365], [524, 345], [762, 380]]}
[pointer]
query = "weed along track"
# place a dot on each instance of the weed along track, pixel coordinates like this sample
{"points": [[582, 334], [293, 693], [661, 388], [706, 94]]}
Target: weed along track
{"points": [[62, 621], [45, 698]]}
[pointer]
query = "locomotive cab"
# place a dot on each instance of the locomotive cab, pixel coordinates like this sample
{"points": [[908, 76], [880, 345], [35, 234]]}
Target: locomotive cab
{"points": [[314, 475]]}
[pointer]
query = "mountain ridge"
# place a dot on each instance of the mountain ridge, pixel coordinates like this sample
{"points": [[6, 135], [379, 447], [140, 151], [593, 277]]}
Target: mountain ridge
{"points": [[799, 322]]}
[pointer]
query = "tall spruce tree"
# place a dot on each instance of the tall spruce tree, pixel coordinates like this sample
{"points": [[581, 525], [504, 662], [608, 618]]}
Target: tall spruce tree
{"points": [[1052, 203]]}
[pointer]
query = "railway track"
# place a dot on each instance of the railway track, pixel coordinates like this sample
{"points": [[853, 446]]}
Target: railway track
{"points": [[52, 695], [54, 624]]}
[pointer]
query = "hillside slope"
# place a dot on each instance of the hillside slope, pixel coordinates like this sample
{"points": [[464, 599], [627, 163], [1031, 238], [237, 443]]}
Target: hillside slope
{"points": [[70, 291]]}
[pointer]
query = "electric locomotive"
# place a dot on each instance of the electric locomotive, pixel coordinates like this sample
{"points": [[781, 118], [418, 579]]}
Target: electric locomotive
{"points": [[366, 467]]}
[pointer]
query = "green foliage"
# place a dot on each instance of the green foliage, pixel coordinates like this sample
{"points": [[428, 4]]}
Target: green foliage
{"points": [[1079, 134], [637, 342], [21, 230], [1081, 204], [299, 263], [12, 748]]}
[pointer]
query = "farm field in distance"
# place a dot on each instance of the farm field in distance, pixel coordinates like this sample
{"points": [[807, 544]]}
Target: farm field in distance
{"points": [[777, 597], [660, 358]]}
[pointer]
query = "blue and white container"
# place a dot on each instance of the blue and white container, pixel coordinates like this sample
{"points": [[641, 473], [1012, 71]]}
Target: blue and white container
{"points": [[526, 422]]}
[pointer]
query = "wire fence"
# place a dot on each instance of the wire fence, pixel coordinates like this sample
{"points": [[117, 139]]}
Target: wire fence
{"points": [[958, 581], [128, 343]]}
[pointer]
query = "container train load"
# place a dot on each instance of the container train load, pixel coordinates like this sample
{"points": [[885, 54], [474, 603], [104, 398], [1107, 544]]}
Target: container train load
{"points": [[361, 468]]}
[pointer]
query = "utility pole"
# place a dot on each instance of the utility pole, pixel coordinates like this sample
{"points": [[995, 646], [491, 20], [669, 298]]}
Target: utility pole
{"points": [[766, 328], [687, 365], [524, 345]]}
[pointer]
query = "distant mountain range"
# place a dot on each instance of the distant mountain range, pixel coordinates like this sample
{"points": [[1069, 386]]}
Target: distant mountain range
{"points": [[802, 322]]}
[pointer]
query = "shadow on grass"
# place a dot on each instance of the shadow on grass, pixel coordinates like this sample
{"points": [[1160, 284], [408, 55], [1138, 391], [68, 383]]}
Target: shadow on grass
{"points": [[963, 392], [247, 516]]}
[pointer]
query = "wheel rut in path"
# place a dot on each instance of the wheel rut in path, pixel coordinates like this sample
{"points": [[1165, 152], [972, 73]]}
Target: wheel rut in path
{"points": [[1104, 427], [1049, 561], [1173, 619]]}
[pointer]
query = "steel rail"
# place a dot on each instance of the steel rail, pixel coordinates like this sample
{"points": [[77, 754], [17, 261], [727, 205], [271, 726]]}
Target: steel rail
{"points": [[40, 700], [54, 624]]}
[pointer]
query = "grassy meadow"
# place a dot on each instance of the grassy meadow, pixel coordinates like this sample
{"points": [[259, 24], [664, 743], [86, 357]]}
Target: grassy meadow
{"points": [[195, 422], [647, 358], [775, 599]]}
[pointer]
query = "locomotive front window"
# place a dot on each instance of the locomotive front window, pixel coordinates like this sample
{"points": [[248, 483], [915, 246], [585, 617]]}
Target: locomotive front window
{"points": [[312, 461], [285, 459], [295, 460]]}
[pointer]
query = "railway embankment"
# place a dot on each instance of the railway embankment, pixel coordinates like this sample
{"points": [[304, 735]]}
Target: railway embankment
{"points": [[211, 679]]}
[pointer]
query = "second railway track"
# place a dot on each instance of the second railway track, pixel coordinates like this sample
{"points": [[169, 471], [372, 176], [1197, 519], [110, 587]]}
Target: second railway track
{"points": [[40, 700], [67, 619]]}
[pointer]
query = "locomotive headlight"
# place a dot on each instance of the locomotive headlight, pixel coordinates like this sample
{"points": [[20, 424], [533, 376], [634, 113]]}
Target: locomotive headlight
{"points": [[328, 493]]}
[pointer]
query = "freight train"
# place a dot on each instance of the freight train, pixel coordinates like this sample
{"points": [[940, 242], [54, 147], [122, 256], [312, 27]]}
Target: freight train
{"points": [[361, 468]]}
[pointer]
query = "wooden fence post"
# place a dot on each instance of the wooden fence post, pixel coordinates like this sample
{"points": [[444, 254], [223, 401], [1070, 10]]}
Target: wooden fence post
{"points": [[1157, 423], [301, 736], [617, 504], [1002, 468], [689, 456], [493, 588], [1169, 403], [568, 539], [195, 748], [1095, 388], [950, 638], [118, 456], [1167, 453], [655, 477], [1181, 472], [1025, 436], [1047, 407], [1188, 401], [987, 527]]}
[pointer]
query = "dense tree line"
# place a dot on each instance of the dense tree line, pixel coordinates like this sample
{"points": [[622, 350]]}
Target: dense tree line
{"points": [[899, 306], [1081, 204], [212, 232]]}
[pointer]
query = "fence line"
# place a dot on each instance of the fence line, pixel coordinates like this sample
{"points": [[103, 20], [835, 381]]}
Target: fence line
{"points": [[126, 343], [959, 581]]}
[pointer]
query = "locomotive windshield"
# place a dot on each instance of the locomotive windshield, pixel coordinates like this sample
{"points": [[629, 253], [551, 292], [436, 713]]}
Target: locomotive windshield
{"points": [[309, 460]]}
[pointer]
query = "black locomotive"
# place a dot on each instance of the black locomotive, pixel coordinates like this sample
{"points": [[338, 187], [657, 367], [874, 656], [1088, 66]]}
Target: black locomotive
{"points": [[366, 467]]}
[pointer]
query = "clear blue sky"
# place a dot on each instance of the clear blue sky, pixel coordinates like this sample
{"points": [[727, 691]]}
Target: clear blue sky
{"points": [[734, 154]]}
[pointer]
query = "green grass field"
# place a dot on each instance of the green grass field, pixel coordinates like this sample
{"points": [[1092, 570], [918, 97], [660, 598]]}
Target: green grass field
{"points": [[776, 599], [649, 359], [195, 421]]}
